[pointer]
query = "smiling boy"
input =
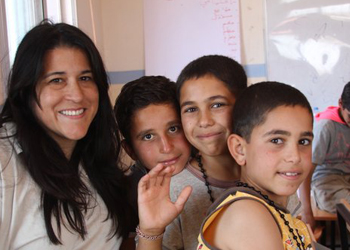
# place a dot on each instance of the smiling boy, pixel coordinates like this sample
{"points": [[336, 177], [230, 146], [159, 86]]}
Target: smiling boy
{"points": [[271, 141]]}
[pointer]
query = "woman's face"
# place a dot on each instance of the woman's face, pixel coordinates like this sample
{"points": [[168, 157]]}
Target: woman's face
{"points": [[68, 96]]}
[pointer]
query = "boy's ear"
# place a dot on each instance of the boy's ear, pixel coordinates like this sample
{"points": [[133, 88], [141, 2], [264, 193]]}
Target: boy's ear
{"points": [[236, 146], [129, 150]]}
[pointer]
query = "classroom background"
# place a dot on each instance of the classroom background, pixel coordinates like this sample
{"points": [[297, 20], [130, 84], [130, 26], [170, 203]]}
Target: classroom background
{"points": [[118, 29]]}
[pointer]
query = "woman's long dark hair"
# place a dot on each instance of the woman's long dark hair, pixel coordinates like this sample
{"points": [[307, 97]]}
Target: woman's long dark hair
{"points": [[64, 194]]}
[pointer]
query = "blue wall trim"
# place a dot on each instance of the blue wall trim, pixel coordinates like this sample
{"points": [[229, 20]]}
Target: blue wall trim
{"points": [[121, 77], [255, 70]]}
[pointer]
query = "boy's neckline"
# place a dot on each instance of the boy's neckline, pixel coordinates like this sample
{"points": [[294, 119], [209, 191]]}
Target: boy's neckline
{"points": [[213, 182], [228, 171], [262, 195], [282, 201], [205, 176]]}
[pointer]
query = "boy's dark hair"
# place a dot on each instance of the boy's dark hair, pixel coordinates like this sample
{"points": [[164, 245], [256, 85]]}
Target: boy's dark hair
{"points": [[345, 96], [258, 100], [223, 68], [139, 94]]}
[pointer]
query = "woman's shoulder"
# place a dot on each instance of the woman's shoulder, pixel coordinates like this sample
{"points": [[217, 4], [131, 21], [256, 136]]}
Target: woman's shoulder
{"points": [[7, 137], [9, 148]]}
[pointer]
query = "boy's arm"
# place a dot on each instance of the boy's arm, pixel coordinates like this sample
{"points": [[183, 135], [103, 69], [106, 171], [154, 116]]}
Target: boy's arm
{"points": [[245, 224], [149, 245], [304, 191], [156, 210]]}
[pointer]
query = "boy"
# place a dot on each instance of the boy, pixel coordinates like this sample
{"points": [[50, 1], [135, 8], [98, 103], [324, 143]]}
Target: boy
{"points": [[271, 141], [148, 118], [207, 89], [331, 154]]}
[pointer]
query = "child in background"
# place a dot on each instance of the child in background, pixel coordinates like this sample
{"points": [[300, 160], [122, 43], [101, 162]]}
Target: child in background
{"points": [[331, 154], [207, 89], [330, 158], [271, 141], [148, 118]]}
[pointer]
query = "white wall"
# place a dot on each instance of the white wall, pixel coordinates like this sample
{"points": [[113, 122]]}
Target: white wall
{"points": [[117, 28]]}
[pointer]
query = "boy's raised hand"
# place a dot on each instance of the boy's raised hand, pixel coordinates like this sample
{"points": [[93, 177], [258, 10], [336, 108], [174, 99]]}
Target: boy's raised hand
{"points": [[156, 210]]}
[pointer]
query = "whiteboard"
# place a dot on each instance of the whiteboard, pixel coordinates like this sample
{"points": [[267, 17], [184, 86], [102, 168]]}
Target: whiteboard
{"points": [[179, 31], [308, 46]]}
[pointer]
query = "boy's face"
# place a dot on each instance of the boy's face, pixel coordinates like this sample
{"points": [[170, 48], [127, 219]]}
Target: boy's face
{"points": [[157, 137], [278, 157], [206, 112]]}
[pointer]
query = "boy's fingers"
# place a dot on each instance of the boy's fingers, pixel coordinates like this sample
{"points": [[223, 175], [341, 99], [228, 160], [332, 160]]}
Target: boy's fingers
{"points": [[150, 178], [169, 171], [156, 170], [155, 173], [143, 183], [163, 175], [183, 197]]}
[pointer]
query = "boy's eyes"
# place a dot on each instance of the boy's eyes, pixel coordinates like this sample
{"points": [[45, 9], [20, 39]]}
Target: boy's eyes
{"points": [[305, 142], [189, 110], [217, 105], [147, 137], [277, 141], [174, 129]]}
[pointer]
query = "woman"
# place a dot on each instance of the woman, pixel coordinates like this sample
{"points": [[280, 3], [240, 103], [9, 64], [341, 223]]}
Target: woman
{"points": [[60, 182]]}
